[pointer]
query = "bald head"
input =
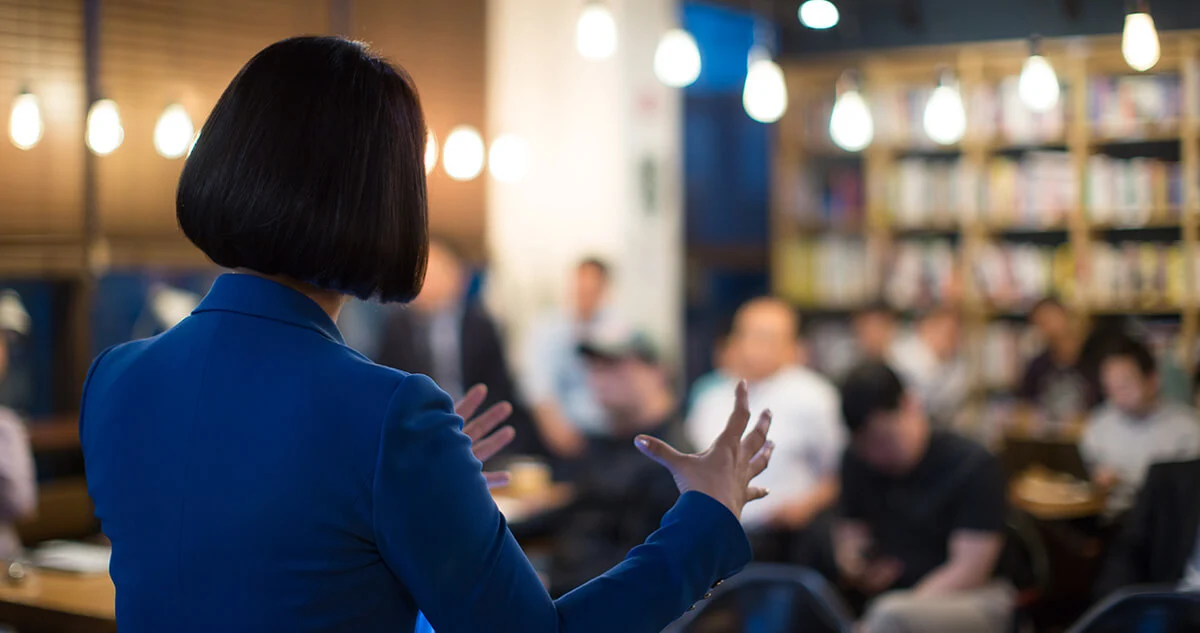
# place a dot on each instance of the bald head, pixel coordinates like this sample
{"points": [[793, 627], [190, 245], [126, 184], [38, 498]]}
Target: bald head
{"points": [[764, 337]]}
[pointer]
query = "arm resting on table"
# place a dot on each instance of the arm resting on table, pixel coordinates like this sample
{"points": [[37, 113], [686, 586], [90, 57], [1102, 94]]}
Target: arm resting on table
{"points": [[972, 560], [440, 532]]}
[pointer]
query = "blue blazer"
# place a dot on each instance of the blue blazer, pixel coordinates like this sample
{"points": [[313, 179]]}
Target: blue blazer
{"points": [[255, 474]]}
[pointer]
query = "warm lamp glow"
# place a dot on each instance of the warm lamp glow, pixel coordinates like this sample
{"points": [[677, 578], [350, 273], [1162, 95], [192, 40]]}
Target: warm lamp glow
{"points": [[850, 125], [1038, 85], [431, 152], [463, 154], [509, 158], [765, 95], [677, 59], [819, 14], [1139, 42], [945, 118], [596, 31], [174, 132], [104, 131], [25, 126]]}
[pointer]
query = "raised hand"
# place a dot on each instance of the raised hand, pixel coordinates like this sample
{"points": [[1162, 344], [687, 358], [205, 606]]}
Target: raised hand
{"points": [[725, 469], [484, 443]]}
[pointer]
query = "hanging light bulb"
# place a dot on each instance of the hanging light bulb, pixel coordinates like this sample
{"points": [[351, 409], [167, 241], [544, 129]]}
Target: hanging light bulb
{"points": [[1038, 85], [25, 125], [596, 31], [765, 95], [174, 132], [677, 59], [104, 131], [1139, 42], [431, 152], [850, 124], [818, 14], [508, 159], [463, 154], [945, 119]]}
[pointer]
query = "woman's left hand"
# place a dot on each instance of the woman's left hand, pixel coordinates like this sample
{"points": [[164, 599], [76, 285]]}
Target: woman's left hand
{"points": [[484, 443]]}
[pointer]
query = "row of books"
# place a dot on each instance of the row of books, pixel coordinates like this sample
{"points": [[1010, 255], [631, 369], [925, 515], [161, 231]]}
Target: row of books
{"points": [[828, 197], [1142, 275], [1013, 276], [1133, 192], [831, 271], [1133, 105]]}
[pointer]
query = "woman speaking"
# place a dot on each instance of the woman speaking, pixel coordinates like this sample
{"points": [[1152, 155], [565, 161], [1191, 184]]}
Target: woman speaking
{"points": [[255, 474]]}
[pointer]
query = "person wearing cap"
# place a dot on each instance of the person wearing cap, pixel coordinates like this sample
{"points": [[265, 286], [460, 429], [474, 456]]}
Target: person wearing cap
{"points": [[18, 484], [620, 495]]}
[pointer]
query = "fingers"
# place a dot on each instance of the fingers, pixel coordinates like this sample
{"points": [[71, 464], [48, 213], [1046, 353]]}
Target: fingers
{"points": [[754, 493], [740, 416], [471, 401], [658, 450], [487, 448], [488, 420], [759, 462], [497, 479], [758, 437]]}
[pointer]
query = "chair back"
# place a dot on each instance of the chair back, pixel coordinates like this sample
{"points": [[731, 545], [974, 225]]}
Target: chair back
{"points": [[1143, 610], [770, 598]]}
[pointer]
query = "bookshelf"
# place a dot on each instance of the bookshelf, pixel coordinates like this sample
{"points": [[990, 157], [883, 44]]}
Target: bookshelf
{"points": [[1096, 201]]}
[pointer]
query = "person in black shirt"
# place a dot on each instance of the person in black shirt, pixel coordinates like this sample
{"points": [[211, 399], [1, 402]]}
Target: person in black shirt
{"points": [[1054, 383], [922, 515]]}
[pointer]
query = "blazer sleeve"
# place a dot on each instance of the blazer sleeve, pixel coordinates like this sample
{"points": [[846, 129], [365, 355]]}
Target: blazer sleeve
{"points": [[439, 531], [1127, 562]]}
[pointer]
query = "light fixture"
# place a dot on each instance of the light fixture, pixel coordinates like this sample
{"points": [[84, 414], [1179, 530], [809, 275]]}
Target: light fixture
{"points": [[104, 131], [596, 31], [1139, 42], [677, 59], [174, 132], [765, 95], [818, 14], [1038, 85], [25, 126], [463, 154], [850, 124], [945, 119], [508, 160], [431, 151]]}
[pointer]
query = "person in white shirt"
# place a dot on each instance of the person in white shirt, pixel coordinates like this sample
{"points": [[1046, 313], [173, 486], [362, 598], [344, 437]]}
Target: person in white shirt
{"points": [[807, 431], [1134, 428], [555, 378], [18, 483], [929, 363]]}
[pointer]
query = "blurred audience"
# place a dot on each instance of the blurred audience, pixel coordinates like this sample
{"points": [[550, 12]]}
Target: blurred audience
{"points": [[453, 340], [929, 361], [806, 430], [1134, 428], [621, 495], [874, 332], [18, 482], [922, 516], [724, 369], [1053, 383], [1160, 541], [555, 378]]}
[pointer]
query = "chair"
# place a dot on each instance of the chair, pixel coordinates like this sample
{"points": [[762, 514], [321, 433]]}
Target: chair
{"points": [[769, 598], [1143, 610]]}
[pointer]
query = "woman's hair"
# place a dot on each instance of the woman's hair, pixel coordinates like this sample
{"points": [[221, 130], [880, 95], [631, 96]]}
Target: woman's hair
{"points": [[312, 166]]}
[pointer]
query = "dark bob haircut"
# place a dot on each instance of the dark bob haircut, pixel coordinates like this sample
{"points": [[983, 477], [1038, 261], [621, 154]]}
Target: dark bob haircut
{"points": [[311, 166], [1134, 350], [870, 388]]}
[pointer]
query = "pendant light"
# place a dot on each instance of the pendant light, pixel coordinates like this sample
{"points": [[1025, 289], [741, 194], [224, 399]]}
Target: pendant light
{"points": [[509, 159], [25, 125], [1139, 41], [850, 124], [677, 59], [596, 31], [431, 151], [463, 153], [945, 118], [104, 131], [765, 95], [1038, 86], [174, 132], [818, 14]]}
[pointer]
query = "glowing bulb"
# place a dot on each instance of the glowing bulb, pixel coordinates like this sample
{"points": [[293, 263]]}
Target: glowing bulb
{"points": [[104, 131], [508, 159], [945, 119], [25, 126], [1139, 42], [765, 95], [1038, 85], [463, 154], [431, 152], [174, 132], [596, 31], [677, 59], [819, 14], [850, 125]]}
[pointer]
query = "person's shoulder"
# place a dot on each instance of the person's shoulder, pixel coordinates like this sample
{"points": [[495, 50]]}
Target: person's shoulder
{"points": [[1181, 416], [950, 447], [804, 383]]}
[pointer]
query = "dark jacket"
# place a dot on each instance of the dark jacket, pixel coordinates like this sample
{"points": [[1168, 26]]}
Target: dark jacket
{"points": [[1159, 535]]}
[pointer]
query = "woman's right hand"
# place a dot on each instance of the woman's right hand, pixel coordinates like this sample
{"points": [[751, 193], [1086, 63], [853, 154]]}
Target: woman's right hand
{"points": [[725, 469]]}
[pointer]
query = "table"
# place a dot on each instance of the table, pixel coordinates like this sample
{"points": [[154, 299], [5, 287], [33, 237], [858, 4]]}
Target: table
{"points": [[1045, 511], [59, 602]]}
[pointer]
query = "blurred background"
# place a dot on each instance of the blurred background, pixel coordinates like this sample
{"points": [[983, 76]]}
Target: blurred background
{"points": [[847, 156]]}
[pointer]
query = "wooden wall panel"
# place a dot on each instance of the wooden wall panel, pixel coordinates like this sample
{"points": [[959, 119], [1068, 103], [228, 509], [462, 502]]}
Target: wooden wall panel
{"points": [[41, 47], [442, 44]]}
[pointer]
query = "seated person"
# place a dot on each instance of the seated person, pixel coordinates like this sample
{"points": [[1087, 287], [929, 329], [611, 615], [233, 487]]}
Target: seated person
{"points": [[874, 332], [1053, 384], [930, 363], [1134, 428], [806, 431], [923, 515], [18, 483], [1160, 540], [621, 495]]}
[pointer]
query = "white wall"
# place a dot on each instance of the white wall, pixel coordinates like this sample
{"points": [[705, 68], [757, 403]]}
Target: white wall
{"points": [[593, 127]]}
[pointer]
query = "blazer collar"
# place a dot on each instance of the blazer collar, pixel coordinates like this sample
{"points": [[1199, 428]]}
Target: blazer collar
{"points": [[257, 296]]}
